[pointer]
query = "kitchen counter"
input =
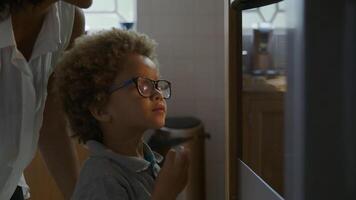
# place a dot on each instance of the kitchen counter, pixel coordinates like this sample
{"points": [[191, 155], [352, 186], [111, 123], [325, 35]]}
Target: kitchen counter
{"points": [[264, 84]]}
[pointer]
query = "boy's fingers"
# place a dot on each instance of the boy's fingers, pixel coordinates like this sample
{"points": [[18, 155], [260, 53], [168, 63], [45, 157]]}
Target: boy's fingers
{"points": [[170, 158], [186, 156], [184, 159], [175, 168], [187, 160], [182, 162]]}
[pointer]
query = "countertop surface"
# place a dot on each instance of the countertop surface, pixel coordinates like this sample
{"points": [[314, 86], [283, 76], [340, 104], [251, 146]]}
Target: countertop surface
{"points": [[264, 84]]}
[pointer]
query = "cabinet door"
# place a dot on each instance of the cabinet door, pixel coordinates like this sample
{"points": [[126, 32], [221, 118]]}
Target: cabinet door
{"points": [[263, 137]]}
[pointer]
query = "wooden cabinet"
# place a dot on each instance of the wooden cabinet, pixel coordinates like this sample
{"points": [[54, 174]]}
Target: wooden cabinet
{"points": [[263, 120]]}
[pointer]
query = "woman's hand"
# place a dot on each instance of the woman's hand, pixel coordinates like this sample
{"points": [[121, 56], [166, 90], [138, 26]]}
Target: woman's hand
{"points": [[173, 176]]}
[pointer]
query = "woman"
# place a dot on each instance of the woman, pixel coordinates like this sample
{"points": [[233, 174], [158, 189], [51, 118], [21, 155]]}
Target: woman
{"points": [[34, 33]]}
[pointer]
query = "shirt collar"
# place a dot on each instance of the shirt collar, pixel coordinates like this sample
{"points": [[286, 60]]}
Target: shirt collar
{"points": [[134, 163], [7, 36], [47, 40]]}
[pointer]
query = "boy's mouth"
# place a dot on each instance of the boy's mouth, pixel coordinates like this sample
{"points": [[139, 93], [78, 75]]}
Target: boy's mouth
{"points": [[159, 108]]}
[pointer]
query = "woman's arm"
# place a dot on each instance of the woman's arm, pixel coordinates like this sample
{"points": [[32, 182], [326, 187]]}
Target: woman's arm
{"points": [[55, 143]]}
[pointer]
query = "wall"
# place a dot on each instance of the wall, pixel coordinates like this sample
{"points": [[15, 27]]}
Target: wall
{"points": [[192, 55]]}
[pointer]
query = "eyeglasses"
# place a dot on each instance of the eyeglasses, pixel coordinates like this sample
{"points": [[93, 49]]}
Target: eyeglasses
{"points": [[146, 87]]}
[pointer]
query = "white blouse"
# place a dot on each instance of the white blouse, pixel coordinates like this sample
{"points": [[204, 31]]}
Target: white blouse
{"points": [[23, 91]]}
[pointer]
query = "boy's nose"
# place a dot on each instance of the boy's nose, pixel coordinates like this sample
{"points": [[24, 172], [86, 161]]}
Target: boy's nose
{"points": [[157, 95]]}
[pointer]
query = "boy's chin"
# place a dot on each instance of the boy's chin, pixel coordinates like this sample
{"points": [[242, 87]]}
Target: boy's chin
{"points": [[158, 124]]}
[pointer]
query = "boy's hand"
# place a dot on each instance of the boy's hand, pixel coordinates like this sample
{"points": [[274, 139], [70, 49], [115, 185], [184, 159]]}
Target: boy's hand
{"points": [[173, 176]]}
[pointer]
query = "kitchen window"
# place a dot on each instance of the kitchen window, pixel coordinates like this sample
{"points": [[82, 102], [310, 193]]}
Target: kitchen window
{"points": [[110, 13]]}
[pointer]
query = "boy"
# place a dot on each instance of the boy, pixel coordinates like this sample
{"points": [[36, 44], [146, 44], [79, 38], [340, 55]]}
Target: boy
{"points": [[111, 92]]}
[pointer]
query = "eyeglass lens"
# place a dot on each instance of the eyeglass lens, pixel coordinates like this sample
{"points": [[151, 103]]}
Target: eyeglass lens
{"points": [[147, 87]]}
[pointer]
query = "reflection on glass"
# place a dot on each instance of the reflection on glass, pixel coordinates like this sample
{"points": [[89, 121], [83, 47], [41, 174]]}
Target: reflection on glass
{"points": [[268, 13], [264, 87]]}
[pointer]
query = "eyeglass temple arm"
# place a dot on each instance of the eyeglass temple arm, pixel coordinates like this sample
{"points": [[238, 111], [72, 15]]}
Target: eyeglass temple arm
{"points": [[117, 87]]}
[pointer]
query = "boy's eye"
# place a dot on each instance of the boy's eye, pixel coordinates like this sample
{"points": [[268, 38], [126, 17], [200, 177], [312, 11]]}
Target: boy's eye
{"points": [[162, 86], [145, 88]]}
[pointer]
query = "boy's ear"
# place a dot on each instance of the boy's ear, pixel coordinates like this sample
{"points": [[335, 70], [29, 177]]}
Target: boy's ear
{"points": [[100, 114]]}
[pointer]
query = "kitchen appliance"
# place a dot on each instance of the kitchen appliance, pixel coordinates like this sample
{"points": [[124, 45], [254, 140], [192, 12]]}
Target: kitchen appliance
{"points": [[262, 62]]}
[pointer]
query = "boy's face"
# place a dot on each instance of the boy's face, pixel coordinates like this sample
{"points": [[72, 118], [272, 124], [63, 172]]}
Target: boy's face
{"points": [[127, 107]]}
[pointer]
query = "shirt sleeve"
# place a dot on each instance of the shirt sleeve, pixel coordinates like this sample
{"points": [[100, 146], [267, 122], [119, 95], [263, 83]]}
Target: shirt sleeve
{"points": [[106, 188]]}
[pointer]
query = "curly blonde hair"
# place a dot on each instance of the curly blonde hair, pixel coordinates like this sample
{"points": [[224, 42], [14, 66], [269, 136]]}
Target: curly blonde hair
{"points": [[86, 72]]}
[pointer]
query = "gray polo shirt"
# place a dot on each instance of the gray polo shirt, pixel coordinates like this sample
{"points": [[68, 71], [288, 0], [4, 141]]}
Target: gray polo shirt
{"points": [[110, 176]]}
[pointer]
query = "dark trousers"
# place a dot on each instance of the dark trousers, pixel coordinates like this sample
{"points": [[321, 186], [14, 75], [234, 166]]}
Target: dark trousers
{"points": [[18, 195]]}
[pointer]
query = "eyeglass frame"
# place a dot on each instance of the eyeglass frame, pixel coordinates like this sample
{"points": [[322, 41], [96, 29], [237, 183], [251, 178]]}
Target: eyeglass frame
{"points": [[126, 83]]}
